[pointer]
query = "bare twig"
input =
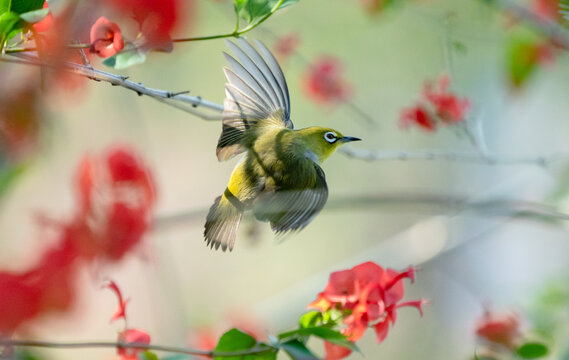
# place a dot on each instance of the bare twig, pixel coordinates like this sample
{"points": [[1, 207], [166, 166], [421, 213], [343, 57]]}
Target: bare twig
{"points": [[189, 104], [177, 99], [447, 204], [443, 155], [109, 344]]}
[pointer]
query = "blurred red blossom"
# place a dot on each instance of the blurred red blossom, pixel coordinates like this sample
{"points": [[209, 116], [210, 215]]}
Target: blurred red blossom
{"points": [[106, 38], [121, 310], [132, 336], [367, 296], [437, 105], [46, 287], [501, 328], [548, 9], [324, 81], [156, 18], [286, 45], [116, 194]]}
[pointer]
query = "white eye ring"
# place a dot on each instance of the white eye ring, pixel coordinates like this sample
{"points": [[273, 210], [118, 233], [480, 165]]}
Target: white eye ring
{"points": [[331, 137]]}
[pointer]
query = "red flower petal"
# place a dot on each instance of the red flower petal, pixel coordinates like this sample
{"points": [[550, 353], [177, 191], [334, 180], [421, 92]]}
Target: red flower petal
{"points": [[342, 287], [335, 352], [106, 38], [121, 311]]}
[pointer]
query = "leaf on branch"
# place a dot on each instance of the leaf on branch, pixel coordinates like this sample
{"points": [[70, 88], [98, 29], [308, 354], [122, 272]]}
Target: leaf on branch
{"points": [[8, 21], [35, 15], [148, 355], [235, 340], [128, 57], [24, 6], [253, 11], [532, 350], [322, 332], [310, 319], [297, 350]]}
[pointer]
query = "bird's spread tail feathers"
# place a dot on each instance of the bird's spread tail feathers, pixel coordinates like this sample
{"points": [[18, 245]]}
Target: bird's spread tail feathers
{"points": [[222, 223]]}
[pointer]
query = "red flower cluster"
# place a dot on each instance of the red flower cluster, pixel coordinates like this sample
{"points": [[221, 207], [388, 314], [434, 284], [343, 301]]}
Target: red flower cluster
{"points": [[438, 105], [324, 81], [368, 296], [106, 38], [500, 328], [116, 199]]}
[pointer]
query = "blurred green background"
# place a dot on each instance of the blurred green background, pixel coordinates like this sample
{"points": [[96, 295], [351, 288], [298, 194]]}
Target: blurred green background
{"points": [[469, 256]]}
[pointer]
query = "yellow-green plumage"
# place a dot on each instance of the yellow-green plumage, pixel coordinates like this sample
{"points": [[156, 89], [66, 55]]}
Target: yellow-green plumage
{"points": [[279, 178]]}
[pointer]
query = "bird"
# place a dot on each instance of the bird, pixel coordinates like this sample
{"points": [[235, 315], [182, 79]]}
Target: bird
{"points": [[279, 176]]}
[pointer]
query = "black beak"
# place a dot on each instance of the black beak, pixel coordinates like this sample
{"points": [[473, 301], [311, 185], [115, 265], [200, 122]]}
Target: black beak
{"points": [[349, 138]]}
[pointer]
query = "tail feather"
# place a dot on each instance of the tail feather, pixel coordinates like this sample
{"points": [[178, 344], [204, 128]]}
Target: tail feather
{"points": [[221, 224]]}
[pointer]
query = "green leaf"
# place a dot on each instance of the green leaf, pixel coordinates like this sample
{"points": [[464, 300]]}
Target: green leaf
{"points": [[297, 350], [5, 6], [24, 6], [148, 355], [7, 22], [522, 56], [322, 332], [253, 11], [35, 15], [126, 58], [236, 341], [310, 319], [532, 350]]}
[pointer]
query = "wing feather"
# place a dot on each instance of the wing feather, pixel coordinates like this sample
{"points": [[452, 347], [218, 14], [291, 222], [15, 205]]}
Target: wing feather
{"points": [[256, 95], [292, 210]]}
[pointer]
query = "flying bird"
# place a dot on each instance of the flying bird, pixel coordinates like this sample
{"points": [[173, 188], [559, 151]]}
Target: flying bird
{"points": [[279, 177]]}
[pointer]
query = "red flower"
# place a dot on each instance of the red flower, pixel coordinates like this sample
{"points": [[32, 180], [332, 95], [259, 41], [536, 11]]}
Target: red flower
{"points": [[501, 328], [116, 195], [132, 336], [286, 45], [448, 107], [106, 38], [368, 296], [324, 81], [335, 352], [437, 105], [156, 18]]}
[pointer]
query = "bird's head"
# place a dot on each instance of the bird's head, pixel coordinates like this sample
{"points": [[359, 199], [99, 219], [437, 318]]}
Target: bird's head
{"points": [[321, 142]]}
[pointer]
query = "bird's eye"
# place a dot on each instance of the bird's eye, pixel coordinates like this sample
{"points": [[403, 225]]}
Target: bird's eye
{"points": [[330, 137]]}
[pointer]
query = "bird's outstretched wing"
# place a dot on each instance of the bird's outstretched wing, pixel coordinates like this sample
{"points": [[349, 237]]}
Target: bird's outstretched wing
{"points": [[256, 94], [293, 209]]}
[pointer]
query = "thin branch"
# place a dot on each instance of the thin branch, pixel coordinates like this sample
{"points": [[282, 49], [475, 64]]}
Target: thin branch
{"points": [[442, 203], [179, 100], [104, 344], [470, 157], [546, 26]]}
